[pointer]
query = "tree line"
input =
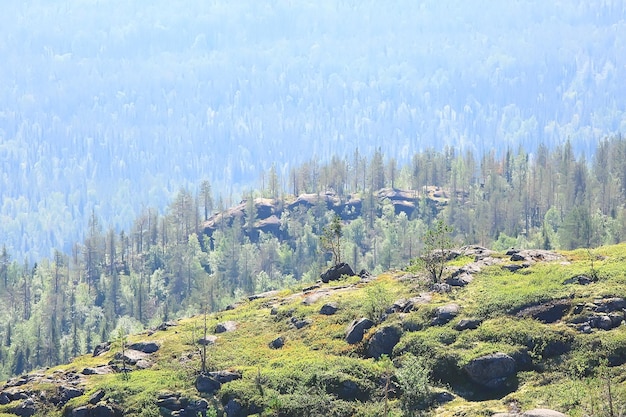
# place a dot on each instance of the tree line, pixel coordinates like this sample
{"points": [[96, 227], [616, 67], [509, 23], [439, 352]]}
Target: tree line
{"points": [[168, 264]]}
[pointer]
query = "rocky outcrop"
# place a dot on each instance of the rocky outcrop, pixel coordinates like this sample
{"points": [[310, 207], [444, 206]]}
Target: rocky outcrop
{"points": [[604, 314], [176, 405], [336, 272], [357, 329], [491, 371]]}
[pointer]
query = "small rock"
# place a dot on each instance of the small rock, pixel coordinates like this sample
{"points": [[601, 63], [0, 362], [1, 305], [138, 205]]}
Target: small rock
{"points": [[443, 397], [106, 410], [224, 376], [441, 288], [516, 257], [170, 401], [578, 279], [82, 411], [460, 280], [365, 274], [277, 343], [329, 309], [101, 348], [299, 323], [467, 324], [96, 397], [357, 329], [512, 267], [227, 326], [208, 340], [4, 399]]}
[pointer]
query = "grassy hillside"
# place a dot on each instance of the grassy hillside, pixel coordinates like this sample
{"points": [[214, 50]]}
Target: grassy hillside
{"points": [[558, 317]]}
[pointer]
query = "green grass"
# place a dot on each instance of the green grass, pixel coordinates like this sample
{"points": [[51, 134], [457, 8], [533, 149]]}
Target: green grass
{"points": [[306, 375]]}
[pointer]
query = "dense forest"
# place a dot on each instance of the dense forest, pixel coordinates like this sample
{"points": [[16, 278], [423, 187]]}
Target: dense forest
{"points": [[198, 256], [108, 107]]}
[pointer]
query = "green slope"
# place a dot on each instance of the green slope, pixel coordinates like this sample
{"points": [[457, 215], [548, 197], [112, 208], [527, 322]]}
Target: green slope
{"points": [[565, 364]]}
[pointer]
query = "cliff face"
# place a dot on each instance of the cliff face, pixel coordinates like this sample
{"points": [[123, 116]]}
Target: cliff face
{"points": [[268, 212], [518, 333]]}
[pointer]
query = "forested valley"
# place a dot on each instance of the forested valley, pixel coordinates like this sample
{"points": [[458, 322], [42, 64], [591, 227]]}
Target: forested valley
{"points": [[203, 255]]}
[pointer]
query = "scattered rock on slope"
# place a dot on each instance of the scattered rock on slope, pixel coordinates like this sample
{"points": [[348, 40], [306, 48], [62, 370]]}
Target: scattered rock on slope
{"points": [[549, 312], [383, 341], [227, 326], [491, 371], [336, 272], [357, 329]]}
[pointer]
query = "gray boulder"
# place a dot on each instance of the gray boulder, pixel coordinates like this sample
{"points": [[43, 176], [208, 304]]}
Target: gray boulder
{"points": [[491, 371], [106, 410], [25, 409], [467, 324], [357, 329], [383, 341], [227, 326], [329, 309], [277, 343], [145, 347], [208, 340], [101, 348], [336, 272], [445, 313], [207, 384]]}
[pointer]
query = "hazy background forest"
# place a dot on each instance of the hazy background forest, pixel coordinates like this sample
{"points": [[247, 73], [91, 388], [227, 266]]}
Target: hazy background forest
{"points": [[124, 127], [108, 107]]}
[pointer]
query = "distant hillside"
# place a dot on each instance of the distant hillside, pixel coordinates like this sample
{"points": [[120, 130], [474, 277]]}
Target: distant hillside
{"points": [[111, 106], [515, 333]]}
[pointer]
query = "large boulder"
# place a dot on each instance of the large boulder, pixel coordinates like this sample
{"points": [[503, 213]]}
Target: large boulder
{"points": [[491, 371], [207, 384], [145, 347], [445, 313], [336, 272], [383, 341], [357, 329]]}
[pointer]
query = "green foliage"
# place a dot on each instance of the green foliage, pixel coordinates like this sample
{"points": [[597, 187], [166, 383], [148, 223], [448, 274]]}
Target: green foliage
{"points": [[437, 243], [413, 377], [331, 238], [376, 300]]}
